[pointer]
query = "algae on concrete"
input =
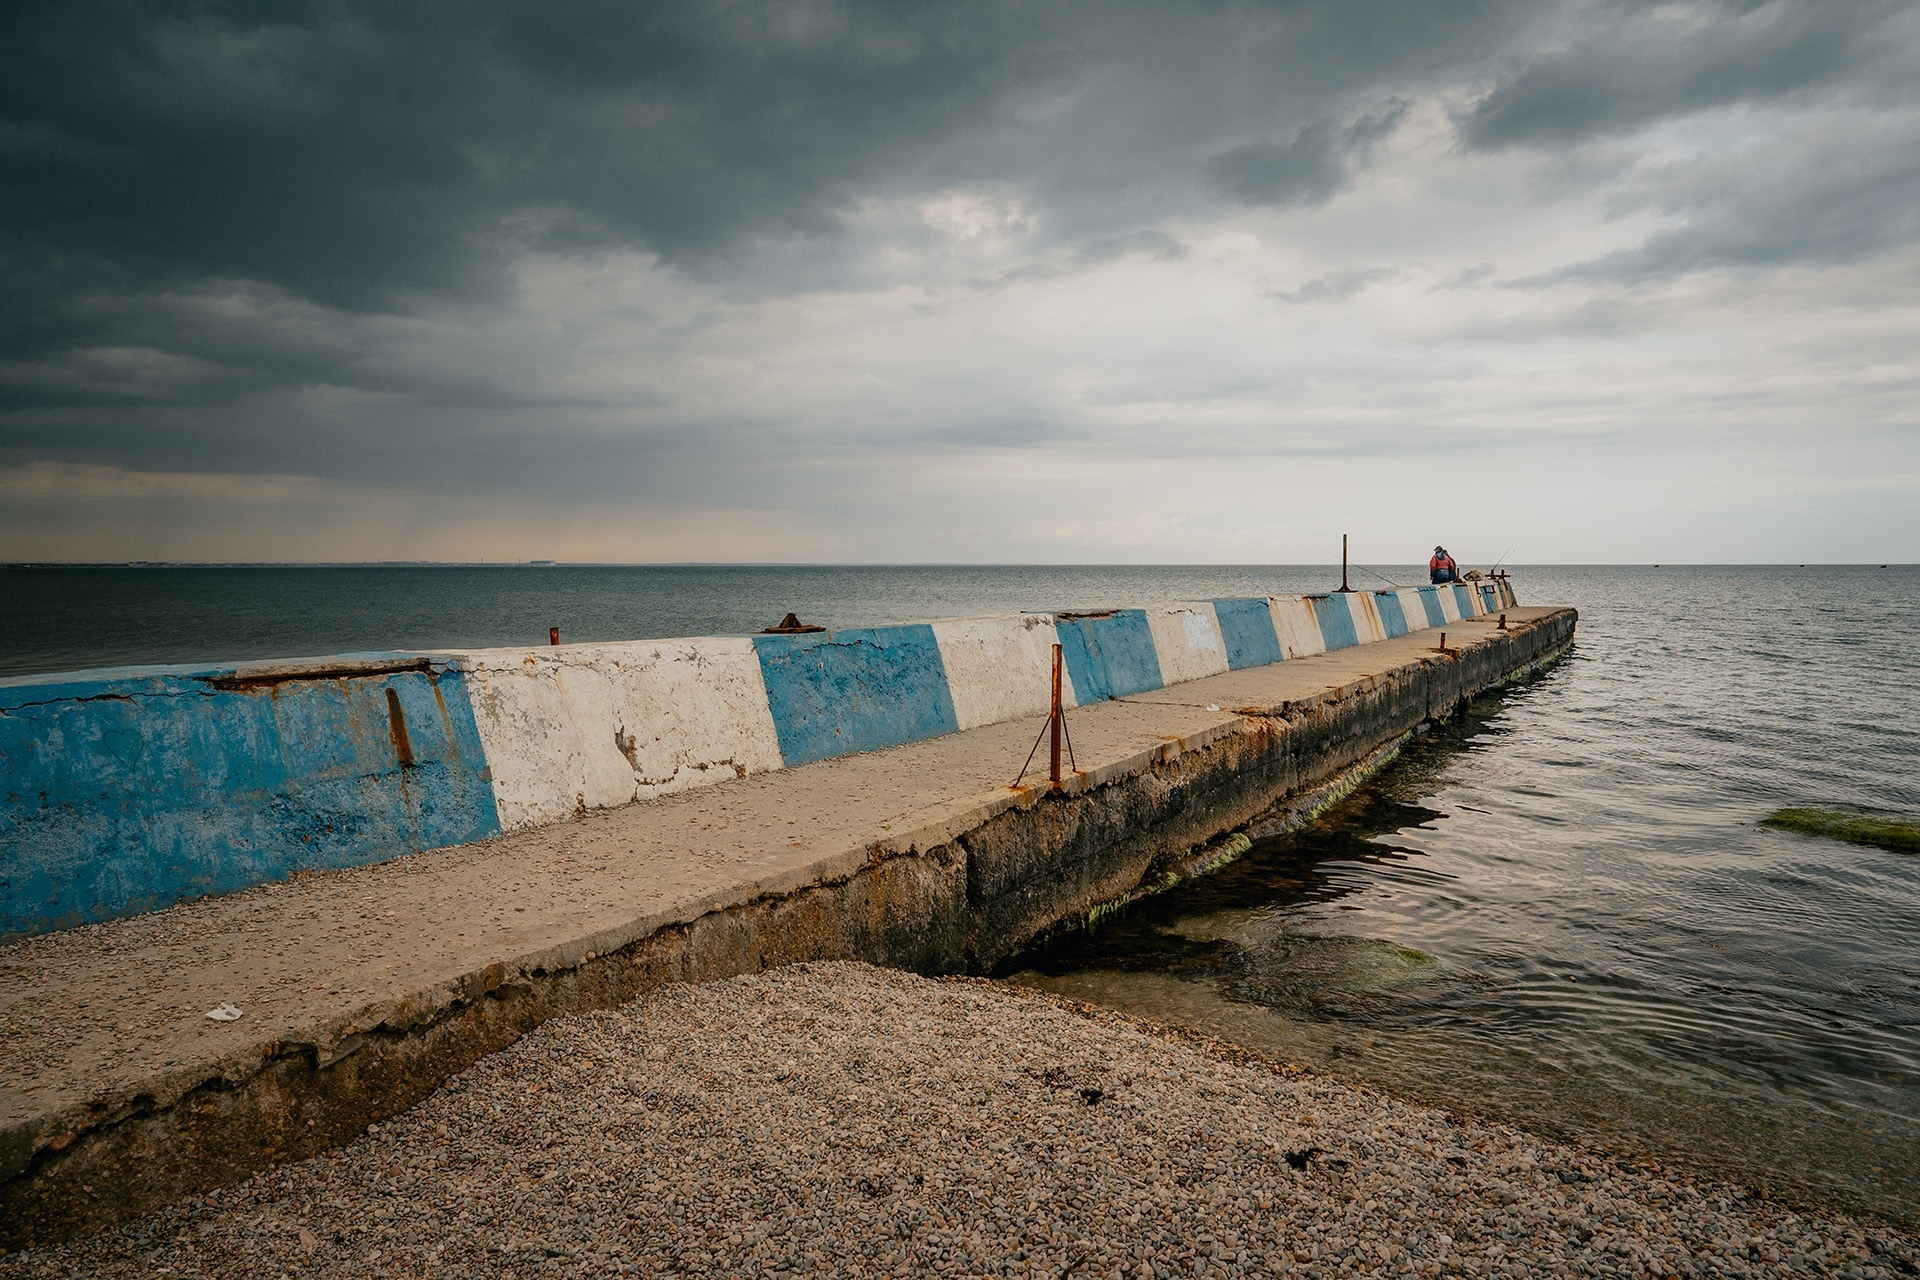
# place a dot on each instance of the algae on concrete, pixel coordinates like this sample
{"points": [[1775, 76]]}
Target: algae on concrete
{"points": [[1854, 828]]}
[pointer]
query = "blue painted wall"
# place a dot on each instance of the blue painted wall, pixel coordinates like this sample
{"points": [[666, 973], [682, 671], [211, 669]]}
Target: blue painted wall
{"points": [[1110, 656], [129, 790], [1430, 601], [1392, 616], [1247, 627], [1465, 599], [1335, 619], [836, 692]]}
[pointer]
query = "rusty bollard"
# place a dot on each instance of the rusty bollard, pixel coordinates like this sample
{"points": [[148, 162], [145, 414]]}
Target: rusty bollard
{"points": [[553, 635], [1055, 720]]}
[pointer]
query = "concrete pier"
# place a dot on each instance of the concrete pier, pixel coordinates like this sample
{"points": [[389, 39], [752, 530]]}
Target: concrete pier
{"points": [[361, 989]]}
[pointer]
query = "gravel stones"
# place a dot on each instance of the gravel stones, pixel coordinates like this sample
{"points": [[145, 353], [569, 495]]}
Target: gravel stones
{"points": [[836, 1119]]}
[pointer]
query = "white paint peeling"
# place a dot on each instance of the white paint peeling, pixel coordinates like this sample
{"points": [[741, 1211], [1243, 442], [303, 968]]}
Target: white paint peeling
{"points": [[1186, 637], [1293, 622], [592, 726], [999, 668], [1367, 626], [1414, 607]]}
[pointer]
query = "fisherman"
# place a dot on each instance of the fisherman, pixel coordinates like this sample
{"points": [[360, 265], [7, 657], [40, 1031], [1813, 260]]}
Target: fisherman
{"points": [[1442, 568]]}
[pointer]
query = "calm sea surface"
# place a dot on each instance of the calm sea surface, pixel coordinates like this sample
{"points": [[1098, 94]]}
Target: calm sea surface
{"points": [[1558, 912], [61, 619]]}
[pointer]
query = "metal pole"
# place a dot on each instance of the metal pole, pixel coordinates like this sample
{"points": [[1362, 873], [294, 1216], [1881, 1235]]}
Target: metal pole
{"points": [[1343, 563], [553, 635], [1055, 720]]}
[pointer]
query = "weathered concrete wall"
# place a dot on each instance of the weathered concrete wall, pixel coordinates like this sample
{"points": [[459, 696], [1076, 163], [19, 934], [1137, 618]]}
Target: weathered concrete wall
{"points": [[964, 896], [129, 790], [1294, 625], [1364, 606], [1247, 629], [1187, 642], [592, 726], [836, 692], [1108, 655], [124, 792], [999, 668], [1334, 617]]}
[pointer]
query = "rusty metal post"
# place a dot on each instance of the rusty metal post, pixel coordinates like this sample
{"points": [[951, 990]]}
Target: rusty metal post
{"points": [[553, 635], [1055, 721], [1056, 726], [1343, 564]]}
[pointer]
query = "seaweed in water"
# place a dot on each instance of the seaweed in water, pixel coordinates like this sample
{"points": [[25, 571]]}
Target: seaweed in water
{"points": [[1854, 828]]}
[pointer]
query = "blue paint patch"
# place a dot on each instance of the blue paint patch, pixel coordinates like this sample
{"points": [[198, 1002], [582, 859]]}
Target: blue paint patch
{"points": [[1464, 598], [1430, 601], [1489, 597], [1335, 619], [1392, 617], [131, 790], [1247, 627], [1109, 656], [837, 692]]}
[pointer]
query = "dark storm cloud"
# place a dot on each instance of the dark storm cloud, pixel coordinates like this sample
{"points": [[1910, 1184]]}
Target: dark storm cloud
{"points": [[364, 157], [1809, 200], [1311, 169], [355, 152], [209, 211], [352, 152], [1829, 171], [1634, 64]]}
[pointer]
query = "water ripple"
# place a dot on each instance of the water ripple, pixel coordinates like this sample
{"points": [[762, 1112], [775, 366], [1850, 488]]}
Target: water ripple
{"points": [[1607, 946]]}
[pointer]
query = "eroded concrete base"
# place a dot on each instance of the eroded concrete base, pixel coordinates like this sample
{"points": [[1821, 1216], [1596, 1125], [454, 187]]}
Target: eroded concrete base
{"points": [[364, 990]]}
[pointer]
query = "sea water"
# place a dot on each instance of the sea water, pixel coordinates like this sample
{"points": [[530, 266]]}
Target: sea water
{"points": [[1559, 911]]}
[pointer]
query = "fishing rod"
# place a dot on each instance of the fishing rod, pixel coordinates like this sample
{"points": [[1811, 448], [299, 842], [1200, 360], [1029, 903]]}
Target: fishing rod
{"points": [[1504, 554], [1383, 577], [1362, 568]]}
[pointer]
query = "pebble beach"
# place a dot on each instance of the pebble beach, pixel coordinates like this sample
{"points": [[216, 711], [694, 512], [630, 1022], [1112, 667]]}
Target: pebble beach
{"points": [[842, 1120]]}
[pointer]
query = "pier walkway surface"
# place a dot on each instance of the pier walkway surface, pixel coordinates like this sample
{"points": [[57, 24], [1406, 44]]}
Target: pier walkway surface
{"points": [[118, 1092]]}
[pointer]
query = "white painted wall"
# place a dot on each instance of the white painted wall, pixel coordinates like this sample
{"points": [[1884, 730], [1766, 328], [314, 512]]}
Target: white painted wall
{"points": [[1366, 617], [1414, 607], [1293, 623], [1186, 636], [1448, 604], [591, 726], [1000, 668]]}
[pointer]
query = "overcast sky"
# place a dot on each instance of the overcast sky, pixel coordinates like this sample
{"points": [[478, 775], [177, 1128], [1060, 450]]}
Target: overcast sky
{"points": [[1058, 282]]}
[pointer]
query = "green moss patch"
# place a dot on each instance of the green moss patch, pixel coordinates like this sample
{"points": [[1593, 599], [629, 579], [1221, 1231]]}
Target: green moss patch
{"points": [[1881, 833]]}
